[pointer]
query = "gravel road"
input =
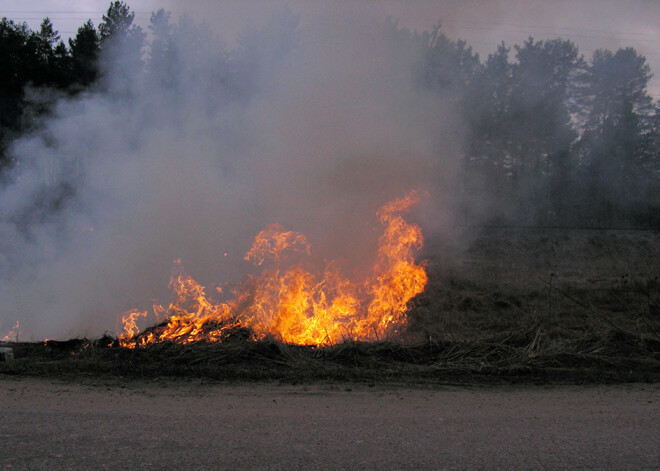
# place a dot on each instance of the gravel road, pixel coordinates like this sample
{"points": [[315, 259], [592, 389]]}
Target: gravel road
{"points": [[106, 424]]}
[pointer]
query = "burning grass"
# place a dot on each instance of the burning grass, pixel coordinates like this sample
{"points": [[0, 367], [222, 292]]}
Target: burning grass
{"points": [[534, 354], [293, 304], [569, 320]]}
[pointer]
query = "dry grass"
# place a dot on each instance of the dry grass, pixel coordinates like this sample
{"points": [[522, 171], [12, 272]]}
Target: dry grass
{"points": [[537, 354], [531, 307]]}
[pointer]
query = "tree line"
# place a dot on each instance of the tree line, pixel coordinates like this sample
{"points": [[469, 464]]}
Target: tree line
{"points": [[552, 138]]}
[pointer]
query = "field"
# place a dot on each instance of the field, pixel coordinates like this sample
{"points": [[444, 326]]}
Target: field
{"points": [[511, 305]]}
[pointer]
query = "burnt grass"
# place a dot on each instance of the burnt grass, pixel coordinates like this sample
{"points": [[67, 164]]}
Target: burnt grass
{"points": [[517, 306]]}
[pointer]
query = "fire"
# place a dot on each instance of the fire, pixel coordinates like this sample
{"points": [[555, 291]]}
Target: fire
{"points": [[270, 243], [12, 334], [292, 304]]}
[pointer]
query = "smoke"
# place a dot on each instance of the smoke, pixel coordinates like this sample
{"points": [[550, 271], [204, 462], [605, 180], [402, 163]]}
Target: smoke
{"points": [[312, 122]]}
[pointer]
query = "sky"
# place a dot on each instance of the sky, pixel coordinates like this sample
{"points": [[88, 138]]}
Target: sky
{"points": [[591, 24]]}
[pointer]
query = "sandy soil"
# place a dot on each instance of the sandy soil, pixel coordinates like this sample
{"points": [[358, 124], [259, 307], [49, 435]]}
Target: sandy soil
{"points": [[104, 424]]}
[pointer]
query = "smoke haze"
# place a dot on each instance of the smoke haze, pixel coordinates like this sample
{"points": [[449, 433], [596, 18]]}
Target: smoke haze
{"points": [[484, 24], [313, 115], [180, 163]]}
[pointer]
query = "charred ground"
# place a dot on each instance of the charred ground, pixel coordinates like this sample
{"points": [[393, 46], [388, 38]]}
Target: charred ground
{"points": [[519, 305]]}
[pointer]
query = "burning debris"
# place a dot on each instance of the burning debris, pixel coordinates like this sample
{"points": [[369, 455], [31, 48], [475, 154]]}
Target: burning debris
{"points": [[292, 304]]}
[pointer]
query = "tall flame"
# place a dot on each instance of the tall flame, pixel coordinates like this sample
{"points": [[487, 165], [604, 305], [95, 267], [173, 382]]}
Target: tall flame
{"points": [[294, 305]]}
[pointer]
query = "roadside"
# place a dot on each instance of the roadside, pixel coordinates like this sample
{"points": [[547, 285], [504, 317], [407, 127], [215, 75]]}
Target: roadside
{"points": [[190, 424]]}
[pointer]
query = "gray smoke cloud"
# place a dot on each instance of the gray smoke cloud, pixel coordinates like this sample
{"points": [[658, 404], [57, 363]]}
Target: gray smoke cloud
{"points": [[177, 164]]}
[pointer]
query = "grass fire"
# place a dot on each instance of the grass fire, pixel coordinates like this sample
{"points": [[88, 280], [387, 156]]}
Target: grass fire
{"points": [[289, 159], [293, 304], [329, 234]]}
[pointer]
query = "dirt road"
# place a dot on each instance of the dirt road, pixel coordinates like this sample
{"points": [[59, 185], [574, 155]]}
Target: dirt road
{"points": [[100, 424]]}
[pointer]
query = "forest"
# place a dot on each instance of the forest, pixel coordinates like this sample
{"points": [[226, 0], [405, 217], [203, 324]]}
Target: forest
{"points": [[552, 138]]}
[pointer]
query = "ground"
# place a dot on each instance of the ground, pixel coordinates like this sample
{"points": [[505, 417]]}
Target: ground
{"points": [[487, 376], [564, 281], [190, 424]]}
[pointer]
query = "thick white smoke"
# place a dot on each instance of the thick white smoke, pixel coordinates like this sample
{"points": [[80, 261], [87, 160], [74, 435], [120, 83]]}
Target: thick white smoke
{"points": [[182, 163]]}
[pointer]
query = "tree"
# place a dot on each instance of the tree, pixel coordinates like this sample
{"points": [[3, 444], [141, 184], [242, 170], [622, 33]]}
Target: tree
{"points": [[44, 66], [47, 34], [13, 43], [488, 107], [617, 145], [161, 50], [121, 42], [521, 127], [487, 113], [447, 66], [654, 167], [85, 49], [540, 104], [117, 21]]}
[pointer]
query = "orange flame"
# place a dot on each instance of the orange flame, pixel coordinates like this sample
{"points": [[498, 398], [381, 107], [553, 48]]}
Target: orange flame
{"points": [[12, 334], [293, 305], [272, 241], [129, 320]]}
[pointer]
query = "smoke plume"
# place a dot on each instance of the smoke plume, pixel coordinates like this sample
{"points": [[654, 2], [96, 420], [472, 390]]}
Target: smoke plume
{"points": [[311, 122]]}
